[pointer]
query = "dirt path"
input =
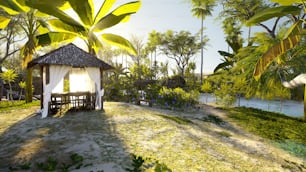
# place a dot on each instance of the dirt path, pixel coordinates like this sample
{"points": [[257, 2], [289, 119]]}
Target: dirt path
{"points": [[203, 140]]}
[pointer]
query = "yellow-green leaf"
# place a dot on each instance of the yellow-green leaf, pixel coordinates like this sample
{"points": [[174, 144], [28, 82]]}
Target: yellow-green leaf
{"points": [[270, 13], [12, 7], [104, 9], [54, 37], [84, 9], [128, 8], [60, 26], [95, 42], [274, 52], [9, 10], [287, 2], [45, 7], [119, 41], [22, 5], [4, 22], [295, 29], [109, 21]]}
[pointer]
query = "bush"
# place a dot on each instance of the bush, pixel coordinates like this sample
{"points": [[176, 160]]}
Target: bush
{"points": [[177, 98]]}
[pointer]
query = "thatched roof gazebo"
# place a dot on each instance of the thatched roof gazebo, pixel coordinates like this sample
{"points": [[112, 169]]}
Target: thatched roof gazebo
{"points": [[84, 72]]}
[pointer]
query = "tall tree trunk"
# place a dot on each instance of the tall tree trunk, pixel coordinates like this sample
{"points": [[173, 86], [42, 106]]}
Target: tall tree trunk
{"points": [[11, 92], [29, 83], [202, 20], [249, 36]]}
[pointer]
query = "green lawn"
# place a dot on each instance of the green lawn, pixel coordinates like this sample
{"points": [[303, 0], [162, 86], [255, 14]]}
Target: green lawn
{"points": [[286, 132], [6, 106]]}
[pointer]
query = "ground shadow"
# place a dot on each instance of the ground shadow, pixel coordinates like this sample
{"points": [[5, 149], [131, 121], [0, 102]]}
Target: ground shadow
{"points": [[89, 134]]}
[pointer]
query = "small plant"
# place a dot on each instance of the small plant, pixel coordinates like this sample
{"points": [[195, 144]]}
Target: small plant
{"points": [[177, 119], [213, 119], [137, 164], [50, 165], [24, 166], [76, 158], [65, 167], [224, 134], [161, 167]]}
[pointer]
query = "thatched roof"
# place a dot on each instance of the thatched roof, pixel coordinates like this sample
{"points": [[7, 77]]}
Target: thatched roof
{"points": [[70, 55]]}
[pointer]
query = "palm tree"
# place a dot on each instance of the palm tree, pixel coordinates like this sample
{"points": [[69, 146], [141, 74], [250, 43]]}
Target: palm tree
{"points": [[201, 9], [30, 26], [9, 76], [90, 26]]}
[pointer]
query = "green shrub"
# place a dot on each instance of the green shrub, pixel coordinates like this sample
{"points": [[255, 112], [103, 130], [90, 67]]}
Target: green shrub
{"points": [[177, 98]]}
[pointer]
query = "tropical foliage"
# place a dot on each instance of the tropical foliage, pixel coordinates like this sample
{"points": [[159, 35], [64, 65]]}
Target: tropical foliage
{"points": [[177, 98], [30, 24], [9, 76], [290, 40], [92, 25], [180, 47], [284, 47]]}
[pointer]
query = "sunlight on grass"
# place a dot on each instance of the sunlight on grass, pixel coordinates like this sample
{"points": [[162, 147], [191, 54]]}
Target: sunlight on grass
{"points": [[179, 143], [287, 132], [6, 106], [176, 119], [13, 113]]}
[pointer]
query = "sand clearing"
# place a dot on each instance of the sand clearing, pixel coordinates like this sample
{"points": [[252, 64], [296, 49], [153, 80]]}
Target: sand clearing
{"points": [[184, 141]]}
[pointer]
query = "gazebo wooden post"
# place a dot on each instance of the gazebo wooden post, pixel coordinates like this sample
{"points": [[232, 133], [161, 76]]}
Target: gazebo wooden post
{"points": [[101, 87], [42, 87]]}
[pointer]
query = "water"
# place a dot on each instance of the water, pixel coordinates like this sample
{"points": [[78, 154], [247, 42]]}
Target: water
{"points": [[287, 107]]}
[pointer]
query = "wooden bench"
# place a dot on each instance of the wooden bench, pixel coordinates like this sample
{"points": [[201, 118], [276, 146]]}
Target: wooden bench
{"points": [[75, 100]]}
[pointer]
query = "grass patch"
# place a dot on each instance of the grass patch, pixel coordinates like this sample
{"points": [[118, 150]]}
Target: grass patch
{"points": [[224, 134], [6, 106], [213, 119], [287, 132], [176, 119]]}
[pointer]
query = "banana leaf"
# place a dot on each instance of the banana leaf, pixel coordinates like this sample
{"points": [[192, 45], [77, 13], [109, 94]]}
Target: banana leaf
{"points": [[278, 49], [54, 37], [84, 9], [12, 7], [60, 26], [287, 2], [128, 8], [270, 13], [4, 22], [104, 9], [131, 7], [53, 10], [109, 21], [119, 42]]}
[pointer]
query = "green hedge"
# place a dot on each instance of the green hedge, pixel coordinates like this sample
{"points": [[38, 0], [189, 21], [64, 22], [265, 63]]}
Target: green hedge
{"points": [[177, 98]]}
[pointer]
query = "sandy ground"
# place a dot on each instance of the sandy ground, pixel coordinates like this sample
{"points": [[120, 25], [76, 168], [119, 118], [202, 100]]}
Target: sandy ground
{"points": [[184, 141]]}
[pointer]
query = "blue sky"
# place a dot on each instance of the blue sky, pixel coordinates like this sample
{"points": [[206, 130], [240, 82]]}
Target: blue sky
{"points": [[162, 15]]}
